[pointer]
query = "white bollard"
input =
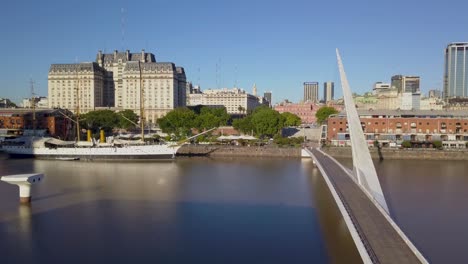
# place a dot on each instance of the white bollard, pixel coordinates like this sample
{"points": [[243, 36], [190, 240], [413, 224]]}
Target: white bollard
{"points": [[24, 182]]}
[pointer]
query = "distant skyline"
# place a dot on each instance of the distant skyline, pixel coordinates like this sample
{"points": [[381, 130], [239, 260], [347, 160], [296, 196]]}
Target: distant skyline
{"points": [[278, 46]]}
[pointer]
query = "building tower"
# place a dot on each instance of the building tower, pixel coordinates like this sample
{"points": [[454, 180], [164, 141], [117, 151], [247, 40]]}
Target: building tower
{"points": [[456, 70], [397, 83], [328, 91], [311, 92], [267, 96], [254, 90]]}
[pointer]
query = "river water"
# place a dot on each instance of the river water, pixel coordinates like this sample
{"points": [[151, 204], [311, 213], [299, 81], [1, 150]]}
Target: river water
{"points": [[200, 210]]}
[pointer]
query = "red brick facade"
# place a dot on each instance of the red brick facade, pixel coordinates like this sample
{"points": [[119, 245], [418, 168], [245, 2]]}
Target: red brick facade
{"points": [[306, 111], [418, 128], [50, 120]]}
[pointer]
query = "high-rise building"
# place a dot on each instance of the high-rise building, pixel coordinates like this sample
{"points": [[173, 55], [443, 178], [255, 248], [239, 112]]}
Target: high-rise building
{"points": [[405, 84], [114, 80], [328, 91], [456, 70], [311, 92], [411, 84], [397, 83], [267, 96], [434, 94]]}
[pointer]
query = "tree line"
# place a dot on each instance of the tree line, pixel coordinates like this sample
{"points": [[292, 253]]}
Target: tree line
{"points": [[262, 122]]}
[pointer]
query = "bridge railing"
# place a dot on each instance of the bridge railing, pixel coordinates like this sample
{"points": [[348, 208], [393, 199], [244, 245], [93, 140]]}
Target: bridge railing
{"points": [[354, 221], [363, 237]]}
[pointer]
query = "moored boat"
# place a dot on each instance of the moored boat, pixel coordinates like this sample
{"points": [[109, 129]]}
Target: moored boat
{"points": [[51, 148]]}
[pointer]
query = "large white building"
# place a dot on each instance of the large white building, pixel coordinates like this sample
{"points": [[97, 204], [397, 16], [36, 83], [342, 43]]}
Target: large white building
{"points": [[119, 79], [236, 101], [73, 86]]}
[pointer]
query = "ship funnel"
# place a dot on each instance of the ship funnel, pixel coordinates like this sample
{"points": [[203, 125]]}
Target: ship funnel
{"points": [[24, 182]]}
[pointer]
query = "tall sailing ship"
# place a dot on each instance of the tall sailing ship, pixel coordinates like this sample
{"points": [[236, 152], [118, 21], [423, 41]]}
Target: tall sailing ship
{"points": [[52, 148]]}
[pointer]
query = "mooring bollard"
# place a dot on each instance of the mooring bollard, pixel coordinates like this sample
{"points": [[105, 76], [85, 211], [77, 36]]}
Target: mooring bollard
{"points": [[24, 182]]}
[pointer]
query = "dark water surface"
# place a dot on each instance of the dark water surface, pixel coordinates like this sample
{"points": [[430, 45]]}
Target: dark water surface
{"points": [[186, 211], [218, 211]]}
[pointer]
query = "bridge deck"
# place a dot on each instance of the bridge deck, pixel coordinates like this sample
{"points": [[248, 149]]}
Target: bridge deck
{"points": [[383, 243]]}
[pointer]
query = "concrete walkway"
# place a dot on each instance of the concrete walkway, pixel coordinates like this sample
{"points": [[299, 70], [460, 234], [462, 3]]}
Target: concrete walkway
{"points": [[382, 242]]}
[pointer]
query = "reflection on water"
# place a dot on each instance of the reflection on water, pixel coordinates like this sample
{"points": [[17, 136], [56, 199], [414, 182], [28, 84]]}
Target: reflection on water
{"points": [[218, 211], [187, 211]]}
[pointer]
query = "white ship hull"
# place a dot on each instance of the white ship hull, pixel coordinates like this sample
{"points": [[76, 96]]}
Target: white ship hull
{"points": [[163, 151]]}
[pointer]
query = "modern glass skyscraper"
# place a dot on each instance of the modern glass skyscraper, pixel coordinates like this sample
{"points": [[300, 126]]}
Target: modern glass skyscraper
{"points": [[456, 70], [328, 91], [311, 92]]}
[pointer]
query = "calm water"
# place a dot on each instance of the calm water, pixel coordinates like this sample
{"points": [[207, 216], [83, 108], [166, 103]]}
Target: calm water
{"points": [[218, 211], [187, 211]]}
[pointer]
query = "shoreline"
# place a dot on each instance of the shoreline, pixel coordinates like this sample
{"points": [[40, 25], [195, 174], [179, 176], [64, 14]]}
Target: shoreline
{"points": [[336, 152], [398, 154], [238, 151]]}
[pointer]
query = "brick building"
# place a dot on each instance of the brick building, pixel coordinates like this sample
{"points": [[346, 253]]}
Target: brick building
{"points": [[50, 120], [392, 127], [306, 111]]}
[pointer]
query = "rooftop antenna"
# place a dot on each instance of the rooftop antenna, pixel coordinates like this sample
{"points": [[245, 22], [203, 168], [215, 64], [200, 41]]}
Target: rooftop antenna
{"points": [[122, 26], [198, 81]]}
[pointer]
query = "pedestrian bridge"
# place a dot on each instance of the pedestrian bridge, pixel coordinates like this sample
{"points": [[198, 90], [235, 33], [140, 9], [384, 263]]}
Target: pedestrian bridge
{"points": [[360, 197], [377, 237]]}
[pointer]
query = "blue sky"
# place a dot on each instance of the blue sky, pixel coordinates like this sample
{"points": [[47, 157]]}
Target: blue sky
{"points": [[276, 44]]}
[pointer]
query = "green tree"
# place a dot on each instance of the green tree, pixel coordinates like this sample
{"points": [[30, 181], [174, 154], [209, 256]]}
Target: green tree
{"points": [[324, 112], [437, 144], [291, 119], [211, 117], [406, 144], [266, 121], [127, 119], [178, 122], [100, 119], [244, 124]]}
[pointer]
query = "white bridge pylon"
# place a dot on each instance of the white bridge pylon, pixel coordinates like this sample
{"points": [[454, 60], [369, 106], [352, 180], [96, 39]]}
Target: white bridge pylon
{"points": [[363, 167]]}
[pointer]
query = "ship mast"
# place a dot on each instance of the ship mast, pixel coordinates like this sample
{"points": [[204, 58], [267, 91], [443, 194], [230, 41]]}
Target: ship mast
{"points": [[142, 107], [77, 105], [33, 102]]}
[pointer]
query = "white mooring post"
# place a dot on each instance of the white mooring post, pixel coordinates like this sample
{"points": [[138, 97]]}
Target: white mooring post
{"points": [[24, 182]]}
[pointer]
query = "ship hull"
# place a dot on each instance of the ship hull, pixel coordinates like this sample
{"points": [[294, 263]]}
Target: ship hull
{"points": [[143, 152], [92, 157]]}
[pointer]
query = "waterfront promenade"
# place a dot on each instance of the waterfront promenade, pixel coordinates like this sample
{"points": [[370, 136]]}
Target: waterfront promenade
{"points": [[381, 240]]}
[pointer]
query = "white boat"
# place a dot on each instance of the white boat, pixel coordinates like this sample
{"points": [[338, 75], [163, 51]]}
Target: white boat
{"points": [[51, 148]]}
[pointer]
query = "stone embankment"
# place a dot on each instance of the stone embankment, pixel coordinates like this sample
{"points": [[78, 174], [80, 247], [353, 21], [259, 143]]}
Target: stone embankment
{"points": [[337, 152], [238, 151], [414, 154]]}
